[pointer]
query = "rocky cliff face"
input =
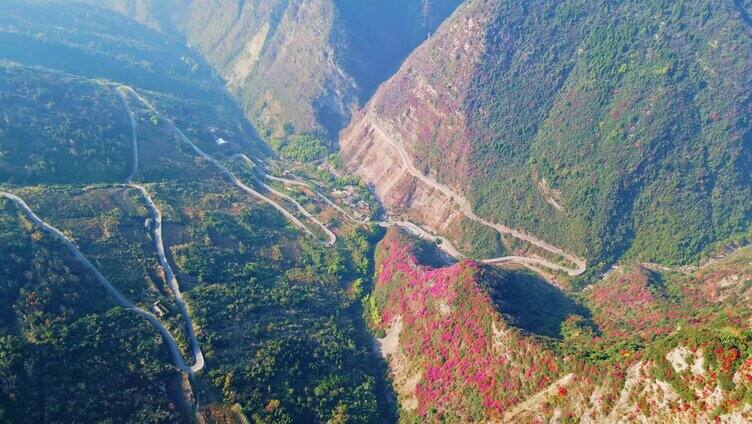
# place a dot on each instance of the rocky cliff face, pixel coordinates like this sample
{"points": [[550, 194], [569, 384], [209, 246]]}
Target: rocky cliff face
{"points": [[415, 120], [297, 65], [610, 130]]}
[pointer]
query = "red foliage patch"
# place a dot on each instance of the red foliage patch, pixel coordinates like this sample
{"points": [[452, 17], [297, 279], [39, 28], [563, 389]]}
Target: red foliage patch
{"points": [[627, 305], [448, 334]]}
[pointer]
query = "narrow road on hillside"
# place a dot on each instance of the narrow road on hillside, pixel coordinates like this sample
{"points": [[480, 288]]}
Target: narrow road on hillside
{"points": [[156, 217], [134, 137], [316, 192], [235, 180], [468, 211], [445, 245], [416, 230], [172, 345], [332, 238]]}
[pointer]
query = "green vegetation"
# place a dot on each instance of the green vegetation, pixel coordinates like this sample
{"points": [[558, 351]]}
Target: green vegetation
{"points": [[65, 353], [107, 225], [638, 123], [278, 316], [640, 126], [530, 303], [452, 336], [113, 47], [280, 324], [723, 352], [64, 129], [303, 148], [63, 122], [610, 129], [632, 332]]}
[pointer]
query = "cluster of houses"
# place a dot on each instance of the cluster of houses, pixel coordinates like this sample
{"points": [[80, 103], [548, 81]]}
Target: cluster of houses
{"points": [[350, 195]]}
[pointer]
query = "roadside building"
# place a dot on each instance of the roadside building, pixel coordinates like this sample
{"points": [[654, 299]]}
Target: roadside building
{"points": [[159, 309]]}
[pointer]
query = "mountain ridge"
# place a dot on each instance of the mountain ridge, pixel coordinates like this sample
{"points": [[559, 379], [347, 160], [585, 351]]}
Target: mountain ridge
{"points": [[575, 136], [296, 65]]}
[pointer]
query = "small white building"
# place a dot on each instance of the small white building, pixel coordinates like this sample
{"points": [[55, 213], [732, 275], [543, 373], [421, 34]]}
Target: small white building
{"points": [[221, 141], [159, 309]]}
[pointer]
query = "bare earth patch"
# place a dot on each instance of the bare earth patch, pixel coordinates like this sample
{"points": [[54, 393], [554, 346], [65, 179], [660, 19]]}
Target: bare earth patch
{"points": [[404, 382]]}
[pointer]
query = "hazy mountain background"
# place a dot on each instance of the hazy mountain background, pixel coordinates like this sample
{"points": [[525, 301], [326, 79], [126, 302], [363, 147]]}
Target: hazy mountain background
{"points": [[296, 66], [616, 129]]}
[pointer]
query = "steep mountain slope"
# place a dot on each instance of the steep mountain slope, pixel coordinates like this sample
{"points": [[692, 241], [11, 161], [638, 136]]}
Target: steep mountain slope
{"points": [[67, 118], [461, 349], [297, 65], [166, 16], [610, 129], [452, 355]]}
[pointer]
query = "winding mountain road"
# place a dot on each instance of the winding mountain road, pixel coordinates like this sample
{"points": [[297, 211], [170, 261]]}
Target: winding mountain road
{"points": [[581, 264], [235, 180], [156, 217], [416, 230], [330, 235], [316, 192], [445, 244], [170, 277], [134, 136], [121, 300]]}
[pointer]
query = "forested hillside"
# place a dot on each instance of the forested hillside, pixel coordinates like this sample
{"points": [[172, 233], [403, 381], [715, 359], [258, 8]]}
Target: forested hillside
{"points": [[613, 129], [57, 146], [62, 121], [124, 145], [59, 333], [539, 212]]}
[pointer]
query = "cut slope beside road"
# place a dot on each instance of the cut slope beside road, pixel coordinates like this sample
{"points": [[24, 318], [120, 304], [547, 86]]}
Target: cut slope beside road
{"points": [[467, 210]]}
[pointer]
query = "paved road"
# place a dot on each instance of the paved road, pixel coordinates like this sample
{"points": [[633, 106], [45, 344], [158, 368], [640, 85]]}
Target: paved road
{"points": [[332, 239], [172, 345], [134, 135], [321, 196], [445, 244], [467, 210], [156, 217], [235, 180]]}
